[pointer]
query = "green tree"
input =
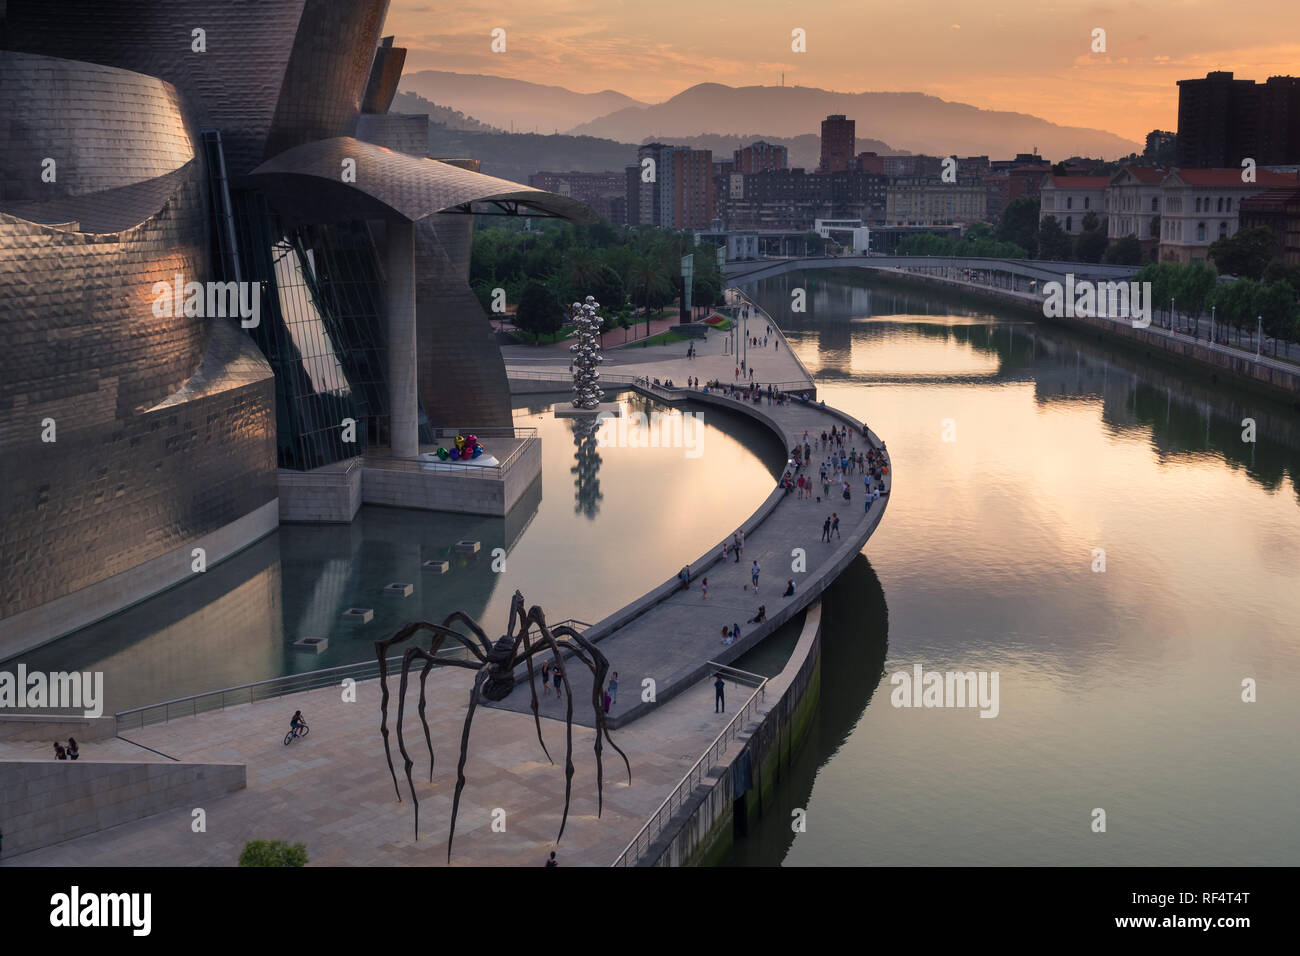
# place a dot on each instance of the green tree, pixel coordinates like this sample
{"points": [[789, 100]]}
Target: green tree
{"points": [[273, 853], [1281, 270], [539, 311], [1192, 285], [1275, 303], [607, 286], [1019, 224], [1090, 245], [1053, 243], [1246, 254], [1124, 252]]}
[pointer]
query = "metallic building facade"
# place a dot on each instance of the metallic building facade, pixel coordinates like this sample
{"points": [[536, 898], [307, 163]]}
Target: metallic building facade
{"points": [[149, 144]]}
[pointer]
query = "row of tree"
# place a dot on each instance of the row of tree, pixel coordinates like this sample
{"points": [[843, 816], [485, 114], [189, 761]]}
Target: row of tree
{"points": [[542, 269], [1195, 290]]}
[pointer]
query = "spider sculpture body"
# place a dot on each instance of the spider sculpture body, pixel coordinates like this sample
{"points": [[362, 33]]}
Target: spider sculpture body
{"points": [[495, 663]]}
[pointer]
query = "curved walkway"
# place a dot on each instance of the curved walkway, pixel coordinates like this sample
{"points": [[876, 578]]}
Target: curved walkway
{"points": [[669, 636], [332, 789]]}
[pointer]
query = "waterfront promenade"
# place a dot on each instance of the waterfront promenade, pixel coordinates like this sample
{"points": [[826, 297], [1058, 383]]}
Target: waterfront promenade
{"points": [[332, 790]]}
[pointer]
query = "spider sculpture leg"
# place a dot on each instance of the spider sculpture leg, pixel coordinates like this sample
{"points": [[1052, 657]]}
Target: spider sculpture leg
{"points": [[479, 678], [599, 666], [532, 688], [405, 634], [535, 616]]}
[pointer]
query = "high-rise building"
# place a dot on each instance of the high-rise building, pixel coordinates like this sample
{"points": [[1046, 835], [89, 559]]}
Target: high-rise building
{"points": [[1223, 121], [692, 188], [760, 157], [868, 163], [597, 190], [838, 138], [1161, 147], [655, 190]]}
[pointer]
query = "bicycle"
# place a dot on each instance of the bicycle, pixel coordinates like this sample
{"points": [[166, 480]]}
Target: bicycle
{"points": [[299, 731]]}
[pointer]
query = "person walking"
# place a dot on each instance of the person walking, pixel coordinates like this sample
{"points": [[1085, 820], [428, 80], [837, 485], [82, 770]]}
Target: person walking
{"points": [[741, 534], [826, 529], [558, 677], [753, 573], [612, 691], [704, 590], [719, 702], [546, 674], [73, 751]]}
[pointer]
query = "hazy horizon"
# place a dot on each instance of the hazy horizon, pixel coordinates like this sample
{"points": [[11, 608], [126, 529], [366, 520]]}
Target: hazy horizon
{"points": [[1015, 55]]}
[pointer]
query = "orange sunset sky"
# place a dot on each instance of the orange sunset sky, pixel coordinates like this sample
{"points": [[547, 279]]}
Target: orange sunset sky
{"points": [[1025, 55]]}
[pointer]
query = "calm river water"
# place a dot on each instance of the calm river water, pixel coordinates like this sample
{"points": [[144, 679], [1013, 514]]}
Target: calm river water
{"points": [[1118, 690]]}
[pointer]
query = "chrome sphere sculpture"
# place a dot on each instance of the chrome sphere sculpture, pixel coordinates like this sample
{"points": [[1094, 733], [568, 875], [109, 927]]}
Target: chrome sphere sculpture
{"points": [[586, 353]]}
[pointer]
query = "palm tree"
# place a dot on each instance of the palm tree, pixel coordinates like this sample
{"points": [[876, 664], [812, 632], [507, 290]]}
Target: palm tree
{"points": [[649, 280]]}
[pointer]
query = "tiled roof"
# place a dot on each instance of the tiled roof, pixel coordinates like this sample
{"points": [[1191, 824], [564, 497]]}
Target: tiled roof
{"points": [[1229, 177]]}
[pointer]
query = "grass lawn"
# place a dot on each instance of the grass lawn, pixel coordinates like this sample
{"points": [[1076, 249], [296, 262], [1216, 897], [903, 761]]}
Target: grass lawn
{"points": [[526, 338], [663, 338]]}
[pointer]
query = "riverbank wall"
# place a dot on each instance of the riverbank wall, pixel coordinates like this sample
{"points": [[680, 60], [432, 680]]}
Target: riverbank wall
{"points": [[1273, 379], [743, 781]]}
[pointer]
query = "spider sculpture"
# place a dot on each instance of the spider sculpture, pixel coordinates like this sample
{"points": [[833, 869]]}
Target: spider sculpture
{"points": [[495, 664]]}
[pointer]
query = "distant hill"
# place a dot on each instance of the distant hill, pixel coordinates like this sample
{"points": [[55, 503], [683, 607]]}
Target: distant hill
{"points": [[442, 115], [518, 155], [913, 121], [500, 102]]}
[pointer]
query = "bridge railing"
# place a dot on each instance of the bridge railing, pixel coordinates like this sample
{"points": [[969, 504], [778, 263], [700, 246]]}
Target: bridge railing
{"points": [[694, 777]]}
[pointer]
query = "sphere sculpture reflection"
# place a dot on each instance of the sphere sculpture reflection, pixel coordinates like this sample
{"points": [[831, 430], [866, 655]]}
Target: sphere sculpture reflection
{"points": [[586, 353]]}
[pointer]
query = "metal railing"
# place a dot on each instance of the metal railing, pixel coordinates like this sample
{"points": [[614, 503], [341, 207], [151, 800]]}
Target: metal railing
{"points": [[273, 687], [695, 776], [643, 382], [194, 704], [739, 294]]}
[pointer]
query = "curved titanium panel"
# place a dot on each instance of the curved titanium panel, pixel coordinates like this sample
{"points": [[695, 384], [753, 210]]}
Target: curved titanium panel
{"points": [[461, 374], [125, 128], [384, 75], [234, 85], [306, 184], [327, 73], [82, 342]]}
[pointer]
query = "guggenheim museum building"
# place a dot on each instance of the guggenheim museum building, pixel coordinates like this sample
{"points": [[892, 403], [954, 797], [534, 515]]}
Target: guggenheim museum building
{"points": [[233, 292]]}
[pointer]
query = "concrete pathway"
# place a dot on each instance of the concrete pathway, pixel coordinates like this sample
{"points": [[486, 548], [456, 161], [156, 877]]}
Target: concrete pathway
{"points": [[669, 646], [332, 791]]}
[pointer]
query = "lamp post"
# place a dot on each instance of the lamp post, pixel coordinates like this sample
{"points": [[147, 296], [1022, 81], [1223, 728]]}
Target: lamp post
{"points": [[1259, 334], [1213, 309]]}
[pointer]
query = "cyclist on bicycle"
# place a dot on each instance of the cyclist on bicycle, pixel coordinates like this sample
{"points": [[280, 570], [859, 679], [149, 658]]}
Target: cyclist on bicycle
{"points": [[296, 721]]}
